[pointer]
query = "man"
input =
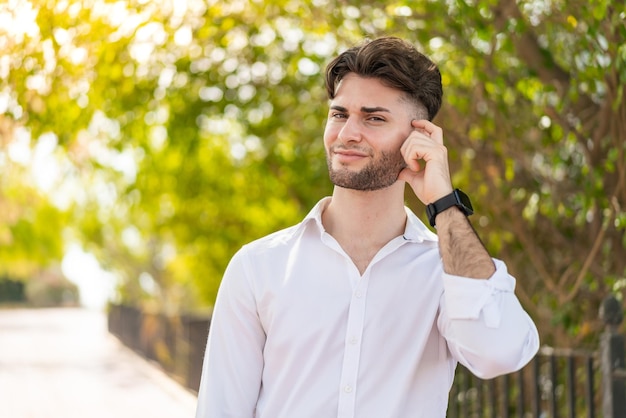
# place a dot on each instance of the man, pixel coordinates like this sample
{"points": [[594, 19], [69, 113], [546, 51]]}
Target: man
{"points": [[359, 310]]}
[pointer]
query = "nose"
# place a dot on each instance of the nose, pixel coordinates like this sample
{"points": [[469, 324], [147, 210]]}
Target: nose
{"points": [[350, 131]]}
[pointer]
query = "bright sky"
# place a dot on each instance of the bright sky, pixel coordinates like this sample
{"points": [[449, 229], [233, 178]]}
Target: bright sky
{"points": [[96, 286]]}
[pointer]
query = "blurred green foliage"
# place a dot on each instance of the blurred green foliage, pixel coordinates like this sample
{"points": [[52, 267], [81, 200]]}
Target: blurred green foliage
{"points": [[184, 129]]}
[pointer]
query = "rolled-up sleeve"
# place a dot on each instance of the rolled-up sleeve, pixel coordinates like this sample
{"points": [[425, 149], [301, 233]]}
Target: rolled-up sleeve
{"points": [[486, 328]]}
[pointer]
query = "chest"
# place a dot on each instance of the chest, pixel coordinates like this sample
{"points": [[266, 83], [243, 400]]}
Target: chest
{"points": [[311, 299]]}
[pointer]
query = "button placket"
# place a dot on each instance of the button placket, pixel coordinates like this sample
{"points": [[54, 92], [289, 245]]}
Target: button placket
{"points": [[352, 348]]}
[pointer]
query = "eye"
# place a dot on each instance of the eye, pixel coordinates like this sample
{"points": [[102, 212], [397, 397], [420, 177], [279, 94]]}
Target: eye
{"points": [[376, 119], [338, 115]]}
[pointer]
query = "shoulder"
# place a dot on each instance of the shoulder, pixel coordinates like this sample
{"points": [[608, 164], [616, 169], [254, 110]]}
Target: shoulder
{"points": [[272, 245], [261, 261]]}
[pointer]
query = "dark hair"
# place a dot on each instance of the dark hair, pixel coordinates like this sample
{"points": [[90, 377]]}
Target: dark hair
{"points": [[397, 64]]}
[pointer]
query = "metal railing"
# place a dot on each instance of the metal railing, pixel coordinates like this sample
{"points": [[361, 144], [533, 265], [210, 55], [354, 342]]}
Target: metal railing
{"points": [[176, 343], [556, 383]]}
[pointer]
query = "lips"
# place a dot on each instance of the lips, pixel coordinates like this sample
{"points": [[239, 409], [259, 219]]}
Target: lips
{"points": [[350, 154], [354, 153]]}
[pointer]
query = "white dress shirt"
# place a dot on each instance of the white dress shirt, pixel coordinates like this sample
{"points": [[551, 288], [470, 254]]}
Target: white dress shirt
{"points": [[297, 332]]}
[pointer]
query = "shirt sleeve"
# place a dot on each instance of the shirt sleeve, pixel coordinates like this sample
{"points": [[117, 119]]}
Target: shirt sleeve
{"points": [[486, 328], [233, 363]]}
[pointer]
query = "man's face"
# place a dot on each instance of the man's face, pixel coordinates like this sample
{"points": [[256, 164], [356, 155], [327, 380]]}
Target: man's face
{"points": [[367, 124]]}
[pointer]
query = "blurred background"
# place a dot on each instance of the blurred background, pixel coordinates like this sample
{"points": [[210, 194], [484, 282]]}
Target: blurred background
{"points": [[142, 142]]}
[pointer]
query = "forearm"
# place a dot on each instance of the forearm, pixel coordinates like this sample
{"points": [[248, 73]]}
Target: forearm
{"points": [[462, 252]]}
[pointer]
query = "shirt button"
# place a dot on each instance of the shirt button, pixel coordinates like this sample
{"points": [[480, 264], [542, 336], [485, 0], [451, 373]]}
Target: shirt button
{"points": [[354, 340], [358, 295], [348, 389]]}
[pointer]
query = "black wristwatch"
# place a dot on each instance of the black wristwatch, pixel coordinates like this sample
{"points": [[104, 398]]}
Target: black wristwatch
{"points": [[456, 198]]}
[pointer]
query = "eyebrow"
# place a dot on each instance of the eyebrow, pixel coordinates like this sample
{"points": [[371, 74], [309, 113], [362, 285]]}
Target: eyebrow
{"points": [[364, 109]]}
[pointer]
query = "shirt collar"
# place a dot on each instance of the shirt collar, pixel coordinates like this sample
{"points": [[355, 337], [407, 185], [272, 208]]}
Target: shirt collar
{"points": [[415, 230]]}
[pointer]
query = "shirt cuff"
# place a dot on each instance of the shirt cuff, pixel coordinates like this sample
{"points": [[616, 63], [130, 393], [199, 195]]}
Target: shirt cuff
{"points": [[467, 298]]}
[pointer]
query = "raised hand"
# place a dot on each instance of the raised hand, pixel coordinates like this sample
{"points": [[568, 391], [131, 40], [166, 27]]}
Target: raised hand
{"points": [[426, 156]]}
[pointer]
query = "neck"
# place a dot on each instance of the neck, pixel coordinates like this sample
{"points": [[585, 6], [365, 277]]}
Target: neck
{"points": [[366, 219]]}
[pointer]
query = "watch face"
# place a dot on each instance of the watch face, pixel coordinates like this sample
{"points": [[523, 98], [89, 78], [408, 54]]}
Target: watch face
{"points": [[464, 201], [431, 212]]}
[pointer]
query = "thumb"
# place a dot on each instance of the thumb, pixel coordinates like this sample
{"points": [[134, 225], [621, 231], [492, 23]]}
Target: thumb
{"points": [[407, 175]]}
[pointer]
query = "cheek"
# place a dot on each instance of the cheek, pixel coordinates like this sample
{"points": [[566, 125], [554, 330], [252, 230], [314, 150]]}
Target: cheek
{"points": [[330, 134], [402, 137]]}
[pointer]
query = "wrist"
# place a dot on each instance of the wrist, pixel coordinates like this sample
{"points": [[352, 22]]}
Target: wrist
{"points": [[456, 199], [449, 218]]}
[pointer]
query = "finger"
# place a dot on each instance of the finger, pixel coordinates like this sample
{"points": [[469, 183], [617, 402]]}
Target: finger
{"points": [[417, 127], [411, 155], [432, 130]]}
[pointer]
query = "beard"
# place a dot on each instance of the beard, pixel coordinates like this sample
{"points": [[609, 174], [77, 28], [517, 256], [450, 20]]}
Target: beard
{"points": [[379, 173]]}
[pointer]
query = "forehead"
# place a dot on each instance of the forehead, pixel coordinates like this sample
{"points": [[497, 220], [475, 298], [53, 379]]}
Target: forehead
{"points": [[357, 91], [366, 88]]}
